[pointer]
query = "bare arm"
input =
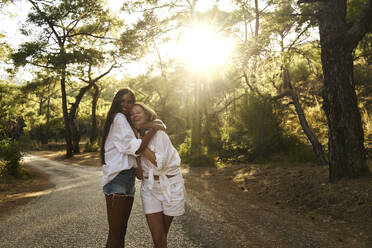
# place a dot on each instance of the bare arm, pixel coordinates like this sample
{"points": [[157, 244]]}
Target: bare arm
{"points": [[153, 124], [152, 127], [139, 173], [150, 155], [145, 140]]}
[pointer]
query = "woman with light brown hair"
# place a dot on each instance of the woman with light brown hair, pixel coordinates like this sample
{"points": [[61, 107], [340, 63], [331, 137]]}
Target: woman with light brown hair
{"points": [[162, 188]]}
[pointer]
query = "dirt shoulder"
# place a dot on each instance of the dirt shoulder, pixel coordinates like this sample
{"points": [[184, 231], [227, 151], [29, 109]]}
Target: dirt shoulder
{"points": [[334, 215], [250, 197], [17, 192]]}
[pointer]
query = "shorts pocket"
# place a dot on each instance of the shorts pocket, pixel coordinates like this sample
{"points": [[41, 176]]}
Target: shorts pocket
{"points": [[177, 191]]}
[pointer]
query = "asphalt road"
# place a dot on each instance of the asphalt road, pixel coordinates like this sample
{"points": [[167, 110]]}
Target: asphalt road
{"points": [[73, 214]]}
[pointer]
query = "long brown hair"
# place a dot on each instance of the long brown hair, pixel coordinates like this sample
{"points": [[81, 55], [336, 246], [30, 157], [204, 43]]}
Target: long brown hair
{"points": [[114, 109]]}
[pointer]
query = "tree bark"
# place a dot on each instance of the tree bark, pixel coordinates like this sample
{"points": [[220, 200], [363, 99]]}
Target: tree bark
{"points": [[66, 118], [47, 124], [290, 92], [75, 135], [317, 147], [346, 150], [93, 132], [196, 117], [74, 107], [196, 123], [74, 128]]}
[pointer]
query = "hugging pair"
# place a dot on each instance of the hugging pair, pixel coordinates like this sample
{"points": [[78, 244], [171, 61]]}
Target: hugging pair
{"points": [[152, 157]]}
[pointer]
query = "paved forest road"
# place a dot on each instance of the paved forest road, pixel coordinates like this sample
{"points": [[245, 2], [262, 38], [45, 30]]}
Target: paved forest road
{"points": [[73, 214]]}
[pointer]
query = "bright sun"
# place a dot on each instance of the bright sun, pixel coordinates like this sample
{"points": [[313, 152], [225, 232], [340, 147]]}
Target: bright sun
{"points": [[202, 48]]}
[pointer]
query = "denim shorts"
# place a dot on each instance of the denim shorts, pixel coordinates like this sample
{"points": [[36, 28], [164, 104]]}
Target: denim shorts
{"points": [[123, 183]]}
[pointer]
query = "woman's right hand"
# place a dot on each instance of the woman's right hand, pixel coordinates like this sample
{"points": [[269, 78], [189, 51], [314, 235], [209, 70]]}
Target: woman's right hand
{"points": [[139, 174], [158, 127]]}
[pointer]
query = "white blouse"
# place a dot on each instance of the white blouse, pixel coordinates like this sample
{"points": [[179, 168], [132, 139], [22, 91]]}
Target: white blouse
{"points": [[120, 147], [167, 159]]}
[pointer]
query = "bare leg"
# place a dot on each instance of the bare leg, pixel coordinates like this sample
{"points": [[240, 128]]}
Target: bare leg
{"points": [[109, 218], [156, 224], [167, 222], [118, 211]]}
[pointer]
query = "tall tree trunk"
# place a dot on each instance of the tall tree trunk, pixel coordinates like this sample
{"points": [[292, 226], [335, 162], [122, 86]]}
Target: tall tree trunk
{"points": [[66, 118], [196, 116], [317, 147], [290, 92], [74, 107], [75, 134], [346, 149], [47, 126], [93, 132], [41, 128], [196, 123]]}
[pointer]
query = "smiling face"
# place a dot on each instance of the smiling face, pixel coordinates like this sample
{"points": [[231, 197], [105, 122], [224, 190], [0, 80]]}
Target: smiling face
{"points": [[138, 116], [126, 103]]}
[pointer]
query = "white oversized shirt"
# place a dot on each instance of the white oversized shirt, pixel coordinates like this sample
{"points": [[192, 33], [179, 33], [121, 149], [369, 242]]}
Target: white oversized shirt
{"points": [[120, 147], [167, 159]]}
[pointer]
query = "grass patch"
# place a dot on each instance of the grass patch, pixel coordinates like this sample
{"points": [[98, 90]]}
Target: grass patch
{"points": [[22, 174]]}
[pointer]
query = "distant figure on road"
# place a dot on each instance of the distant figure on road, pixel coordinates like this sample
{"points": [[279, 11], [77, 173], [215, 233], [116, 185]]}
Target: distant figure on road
{"points": [[118, 151], [162, 188]]}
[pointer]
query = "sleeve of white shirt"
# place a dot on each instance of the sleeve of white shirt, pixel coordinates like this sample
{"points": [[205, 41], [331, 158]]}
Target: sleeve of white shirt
{"points": [[123, 136], [162, 149], [161, 122]]}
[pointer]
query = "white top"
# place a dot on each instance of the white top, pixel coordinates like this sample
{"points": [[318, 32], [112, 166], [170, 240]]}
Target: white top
{"points": [[167, 159], [120, 147]]}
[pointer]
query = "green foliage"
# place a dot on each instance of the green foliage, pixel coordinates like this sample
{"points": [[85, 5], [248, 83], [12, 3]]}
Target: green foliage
{"points": [[10, 154], [201, 160], [185, 150], [234, 128], [193, 160], [4, 48], [354, 8], [295, 152], [255, 132], [91, 147]]}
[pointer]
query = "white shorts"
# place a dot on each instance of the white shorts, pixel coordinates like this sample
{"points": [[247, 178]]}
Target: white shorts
{"points": [[153, 200]]}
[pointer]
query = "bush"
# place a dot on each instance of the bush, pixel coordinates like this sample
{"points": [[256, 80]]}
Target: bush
{"points": [[191, 159], [185, 150], [91, 147], [255, 132], [10, 152], [202, 160], [2, 168]]}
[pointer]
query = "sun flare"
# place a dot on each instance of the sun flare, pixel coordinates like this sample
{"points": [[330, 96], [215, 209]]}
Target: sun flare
{"points": [[202, 48]]}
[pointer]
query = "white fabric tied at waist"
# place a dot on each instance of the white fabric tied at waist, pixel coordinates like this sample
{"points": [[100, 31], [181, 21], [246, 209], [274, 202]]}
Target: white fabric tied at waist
{"points": [[164, 182]]}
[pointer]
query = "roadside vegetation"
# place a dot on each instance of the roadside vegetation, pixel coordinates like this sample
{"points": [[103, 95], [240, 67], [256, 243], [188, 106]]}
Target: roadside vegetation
{"points": [[269, 100]]}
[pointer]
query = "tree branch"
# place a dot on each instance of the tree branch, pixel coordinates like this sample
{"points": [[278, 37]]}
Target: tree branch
{"points": [[362, 25], [250, 86], [285, 93], [311, 1], [91, 35], [51, 25], [227, 105]]}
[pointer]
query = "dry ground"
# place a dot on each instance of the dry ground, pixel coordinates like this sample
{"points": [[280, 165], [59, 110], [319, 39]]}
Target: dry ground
{"points": [[16, 192], [343, 208]]}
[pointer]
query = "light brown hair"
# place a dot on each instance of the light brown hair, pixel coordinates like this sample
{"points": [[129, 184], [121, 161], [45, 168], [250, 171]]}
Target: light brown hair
{"points": [[150, 113]]}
